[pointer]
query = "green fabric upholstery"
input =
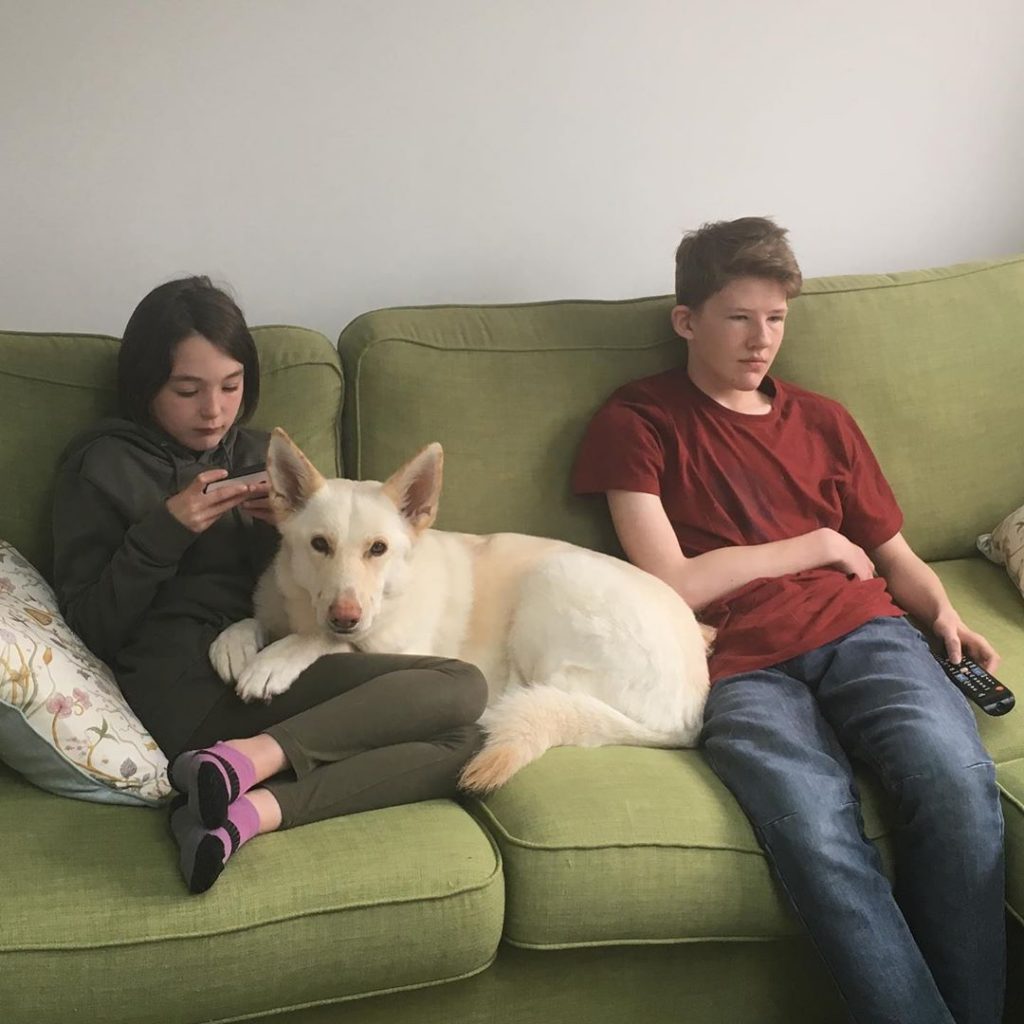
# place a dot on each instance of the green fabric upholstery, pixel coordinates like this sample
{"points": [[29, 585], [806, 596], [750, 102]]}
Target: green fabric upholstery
{"points": [[900, 351], [774, 983], [341, 909], [627, 845], [508, 391], [54, 385], [988, 602]]}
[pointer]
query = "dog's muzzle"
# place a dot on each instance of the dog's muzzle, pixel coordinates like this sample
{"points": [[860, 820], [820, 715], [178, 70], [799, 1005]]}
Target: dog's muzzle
{"points": [[344, 616]]}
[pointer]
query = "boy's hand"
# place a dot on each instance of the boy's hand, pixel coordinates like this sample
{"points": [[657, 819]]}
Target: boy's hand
{"points": [[199, 511], [959, 641], [846, 556]]}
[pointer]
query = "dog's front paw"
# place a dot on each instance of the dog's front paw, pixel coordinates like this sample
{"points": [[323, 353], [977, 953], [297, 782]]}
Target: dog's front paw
{"points": [[273, 670], [235, 648]]}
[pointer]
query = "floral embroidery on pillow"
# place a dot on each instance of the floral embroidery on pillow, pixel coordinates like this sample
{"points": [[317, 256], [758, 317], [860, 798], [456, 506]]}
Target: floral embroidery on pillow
{"points": [[67, 695]]}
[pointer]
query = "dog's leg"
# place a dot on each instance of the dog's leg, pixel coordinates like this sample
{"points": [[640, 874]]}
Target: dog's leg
{"points": [[279, 664], [236, 647]]}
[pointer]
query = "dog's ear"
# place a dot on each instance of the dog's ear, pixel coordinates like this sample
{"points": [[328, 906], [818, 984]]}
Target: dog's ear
{"points": [[293, 478], [416, 487]]}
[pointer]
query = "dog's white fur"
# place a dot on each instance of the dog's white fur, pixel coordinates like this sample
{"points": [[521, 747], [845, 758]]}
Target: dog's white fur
{"points": [[577, 647]]}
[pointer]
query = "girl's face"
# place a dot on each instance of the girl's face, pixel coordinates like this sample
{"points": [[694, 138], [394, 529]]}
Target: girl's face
{"points": [[200, 400]]}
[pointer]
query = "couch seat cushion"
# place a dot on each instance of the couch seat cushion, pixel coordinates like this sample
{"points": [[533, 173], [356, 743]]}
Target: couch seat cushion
{"points": [[631, 845], [97, 924], [988, 601]]}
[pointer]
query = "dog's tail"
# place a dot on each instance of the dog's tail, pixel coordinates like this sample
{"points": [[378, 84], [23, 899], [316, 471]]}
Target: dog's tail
{"points": [[525, 722]]}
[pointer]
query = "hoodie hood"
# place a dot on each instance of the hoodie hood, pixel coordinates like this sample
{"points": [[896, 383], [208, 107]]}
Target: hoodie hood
{"points": [[152, 445]]}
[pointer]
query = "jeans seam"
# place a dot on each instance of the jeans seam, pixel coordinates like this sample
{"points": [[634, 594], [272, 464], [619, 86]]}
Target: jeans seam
{"points": [[921, 775], [793, 814]]}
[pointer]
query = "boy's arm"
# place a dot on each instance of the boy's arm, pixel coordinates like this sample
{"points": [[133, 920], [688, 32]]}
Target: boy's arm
{"points": [[919, 591], [649, 541]]}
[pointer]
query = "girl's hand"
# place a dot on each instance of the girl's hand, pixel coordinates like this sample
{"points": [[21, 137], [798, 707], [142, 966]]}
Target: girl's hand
{"points": [[258, 504], [199, 511]]}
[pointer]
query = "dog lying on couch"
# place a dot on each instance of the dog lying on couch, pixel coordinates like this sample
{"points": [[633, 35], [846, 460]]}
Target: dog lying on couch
{"points": [[579, 648]]}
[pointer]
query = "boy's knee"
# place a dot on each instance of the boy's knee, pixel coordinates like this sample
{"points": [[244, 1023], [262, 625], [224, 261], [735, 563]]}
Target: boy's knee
{"points": [[962, 790]]}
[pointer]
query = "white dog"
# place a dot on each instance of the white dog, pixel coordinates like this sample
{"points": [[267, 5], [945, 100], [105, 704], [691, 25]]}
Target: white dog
{"points": [[577, 647]]}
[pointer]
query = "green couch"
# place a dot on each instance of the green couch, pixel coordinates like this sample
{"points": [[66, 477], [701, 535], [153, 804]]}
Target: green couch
{"points": [[599, 885]]}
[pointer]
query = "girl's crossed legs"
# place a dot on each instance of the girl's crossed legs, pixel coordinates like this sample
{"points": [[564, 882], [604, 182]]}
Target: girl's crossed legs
{"points": [[355, 732]]}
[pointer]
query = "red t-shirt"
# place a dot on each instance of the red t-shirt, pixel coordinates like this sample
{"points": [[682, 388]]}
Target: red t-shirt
{"points": [[728, 478]]}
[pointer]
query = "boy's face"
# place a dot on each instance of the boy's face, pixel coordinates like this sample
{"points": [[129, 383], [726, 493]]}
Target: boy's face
{"points": [[734, 336]]}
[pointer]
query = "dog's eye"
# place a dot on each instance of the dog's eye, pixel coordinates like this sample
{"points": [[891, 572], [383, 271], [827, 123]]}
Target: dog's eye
{"points": [[320, 544], [377, 548]]}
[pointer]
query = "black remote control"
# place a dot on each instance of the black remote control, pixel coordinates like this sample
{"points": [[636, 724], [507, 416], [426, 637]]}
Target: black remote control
{"points": [[977, 685]]}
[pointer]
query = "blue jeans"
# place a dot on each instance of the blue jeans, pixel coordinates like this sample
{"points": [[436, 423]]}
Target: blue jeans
{"points": [[929, 949]]}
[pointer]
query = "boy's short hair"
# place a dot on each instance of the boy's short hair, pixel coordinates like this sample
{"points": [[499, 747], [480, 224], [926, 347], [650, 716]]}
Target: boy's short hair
{"points": [[715, 254]]}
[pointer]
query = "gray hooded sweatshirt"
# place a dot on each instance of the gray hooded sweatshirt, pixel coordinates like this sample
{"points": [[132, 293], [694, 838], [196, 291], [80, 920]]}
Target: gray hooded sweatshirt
{"points": [[145, 593]]}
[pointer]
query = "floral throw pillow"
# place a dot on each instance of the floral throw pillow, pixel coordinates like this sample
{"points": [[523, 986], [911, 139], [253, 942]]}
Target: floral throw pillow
{"points": [[63, 722], [1005, 546]]}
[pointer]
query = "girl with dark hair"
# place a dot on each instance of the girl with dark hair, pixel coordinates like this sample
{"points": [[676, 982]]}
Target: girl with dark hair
{"points": [[149, 567]]}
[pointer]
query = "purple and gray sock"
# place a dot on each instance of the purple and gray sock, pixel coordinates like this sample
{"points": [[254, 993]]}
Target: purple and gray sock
{"points": [[203, 852], [212, 778]]}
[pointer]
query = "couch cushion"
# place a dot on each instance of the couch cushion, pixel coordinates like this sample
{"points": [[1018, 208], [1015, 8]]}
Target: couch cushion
{"points": [[631, 845], [54, 385], [988, 601], [97, 924], [508, 391], [928, 363]]}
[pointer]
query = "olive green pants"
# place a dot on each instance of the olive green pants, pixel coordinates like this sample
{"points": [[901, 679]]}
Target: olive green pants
{"points": [[361, 731]]}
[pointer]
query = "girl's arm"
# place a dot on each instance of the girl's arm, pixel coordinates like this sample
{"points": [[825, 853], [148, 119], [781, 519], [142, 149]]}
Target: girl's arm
{"points": [[106, 570]]}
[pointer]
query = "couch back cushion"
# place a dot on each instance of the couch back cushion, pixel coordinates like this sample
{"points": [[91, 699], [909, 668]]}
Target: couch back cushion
{"points": [[927, 361], [508, 391], [54, 385]]}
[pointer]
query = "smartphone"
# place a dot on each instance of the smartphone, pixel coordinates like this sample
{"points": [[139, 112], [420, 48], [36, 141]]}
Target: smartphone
{"points": [[256, 474]]}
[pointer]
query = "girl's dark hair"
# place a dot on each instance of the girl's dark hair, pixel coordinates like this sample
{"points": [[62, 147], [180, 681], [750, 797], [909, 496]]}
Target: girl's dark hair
{"points": [[168, 315]]}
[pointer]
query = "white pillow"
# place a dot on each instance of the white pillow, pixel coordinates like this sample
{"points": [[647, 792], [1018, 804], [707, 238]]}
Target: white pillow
{"points": [[1005, 546], [64, 724]]}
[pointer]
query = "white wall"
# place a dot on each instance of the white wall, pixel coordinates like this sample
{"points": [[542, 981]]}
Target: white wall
{"points": [[330, 156]]}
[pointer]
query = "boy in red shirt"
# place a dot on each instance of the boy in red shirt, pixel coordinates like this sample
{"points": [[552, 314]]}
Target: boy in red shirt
{"points": [[763, 506]]}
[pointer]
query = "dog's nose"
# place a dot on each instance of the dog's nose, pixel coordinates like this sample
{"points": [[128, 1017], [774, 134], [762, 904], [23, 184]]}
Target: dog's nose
{"points": [[344, 616]]}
